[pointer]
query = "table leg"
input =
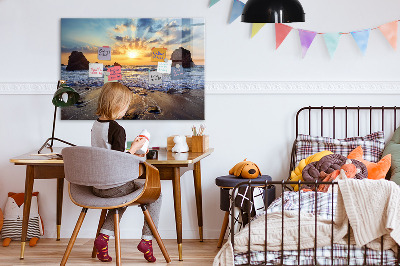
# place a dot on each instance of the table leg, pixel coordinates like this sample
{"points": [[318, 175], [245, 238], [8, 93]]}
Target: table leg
{"points": [[60, 190], [199, 204], [176, 182], [27, 206]]}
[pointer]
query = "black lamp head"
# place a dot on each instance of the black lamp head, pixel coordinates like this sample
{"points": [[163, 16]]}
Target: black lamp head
{"points": [[65, 96], [273, 11]]}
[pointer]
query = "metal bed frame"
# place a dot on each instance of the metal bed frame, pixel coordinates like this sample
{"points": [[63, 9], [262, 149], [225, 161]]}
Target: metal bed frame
{"points": [[283, 184]]}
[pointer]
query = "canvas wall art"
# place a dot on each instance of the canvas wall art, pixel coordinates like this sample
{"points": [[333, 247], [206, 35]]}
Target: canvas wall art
{"points": [[161, 60]]}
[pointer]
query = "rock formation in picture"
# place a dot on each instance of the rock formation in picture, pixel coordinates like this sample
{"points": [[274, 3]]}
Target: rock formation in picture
{"points": [[182, 57], [77, 61]]}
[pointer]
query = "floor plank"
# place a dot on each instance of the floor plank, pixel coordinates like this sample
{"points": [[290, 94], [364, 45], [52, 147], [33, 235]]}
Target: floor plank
{"points": [[49, 252]]}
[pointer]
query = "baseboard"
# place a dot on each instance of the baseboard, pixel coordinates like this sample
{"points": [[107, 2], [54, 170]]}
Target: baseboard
{"points": [[248, 87]]}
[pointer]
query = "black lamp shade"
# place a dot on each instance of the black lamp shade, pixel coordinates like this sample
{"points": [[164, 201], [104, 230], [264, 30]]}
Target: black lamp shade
{"points": [[273, 11], [73, 96]]}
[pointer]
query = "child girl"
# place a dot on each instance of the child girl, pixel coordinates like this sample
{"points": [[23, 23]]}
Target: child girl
{"points": [[114, 101]]}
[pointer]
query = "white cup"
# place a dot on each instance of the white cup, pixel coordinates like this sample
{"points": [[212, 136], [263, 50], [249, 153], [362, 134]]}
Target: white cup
{"points": [[144, 134]]}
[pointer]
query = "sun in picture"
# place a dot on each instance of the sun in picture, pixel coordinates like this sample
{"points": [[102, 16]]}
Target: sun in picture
{"points": [[132, 54]]}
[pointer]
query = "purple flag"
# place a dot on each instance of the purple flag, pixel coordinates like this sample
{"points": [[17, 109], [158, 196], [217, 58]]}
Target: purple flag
{"points": [[306, 39]]}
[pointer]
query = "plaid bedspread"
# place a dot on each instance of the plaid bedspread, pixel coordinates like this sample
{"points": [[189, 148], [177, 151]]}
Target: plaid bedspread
{"points": [[307, 202]]}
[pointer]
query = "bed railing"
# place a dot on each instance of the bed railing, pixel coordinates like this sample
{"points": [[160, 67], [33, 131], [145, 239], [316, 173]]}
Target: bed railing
{"points": [[265, 185], [345, 118]]}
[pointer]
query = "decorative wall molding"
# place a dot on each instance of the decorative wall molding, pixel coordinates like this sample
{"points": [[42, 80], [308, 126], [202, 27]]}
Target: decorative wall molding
{"points": [[303, 87], [249, 87], [28, 88]]}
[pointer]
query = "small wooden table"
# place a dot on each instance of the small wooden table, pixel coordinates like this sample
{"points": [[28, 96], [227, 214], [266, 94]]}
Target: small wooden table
{"points": [[169, 165]]}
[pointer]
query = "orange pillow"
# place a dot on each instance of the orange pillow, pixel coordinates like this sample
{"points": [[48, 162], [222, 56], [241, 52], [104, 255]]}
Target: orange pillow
{"points": [[375, 170]]}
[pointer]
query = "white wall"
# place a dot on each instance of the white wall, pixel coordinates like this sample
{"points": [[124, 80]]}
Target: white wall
{"points": [[257, 126]]}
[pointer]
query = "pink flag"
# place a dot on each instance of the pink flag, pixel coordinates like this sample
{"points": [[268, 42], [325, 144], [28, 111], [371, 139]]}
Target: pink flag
{"points": [[281, 31], [389, 30], [306, 39]]}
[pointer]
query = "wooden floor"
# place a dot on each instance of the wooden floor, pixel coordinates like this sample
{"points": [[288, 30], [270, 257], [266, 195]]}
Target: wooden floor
{"points": [[50, 252]]}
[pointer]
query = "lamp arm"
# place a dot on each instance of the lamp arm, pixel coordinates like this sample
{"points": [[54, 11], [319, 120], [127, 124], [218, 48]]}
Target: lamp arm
{"points": [[54, 126]]}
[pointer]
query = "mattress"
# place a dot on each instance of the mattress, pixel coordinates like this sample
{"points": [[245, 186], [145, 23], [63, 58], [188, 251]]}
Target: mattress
{"points": [[324, 206]]}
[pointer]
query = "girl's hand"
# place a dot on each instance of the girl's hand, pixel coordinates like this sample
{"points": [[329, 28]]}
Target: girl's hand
{"points": [[137, 144], [142, 155]]}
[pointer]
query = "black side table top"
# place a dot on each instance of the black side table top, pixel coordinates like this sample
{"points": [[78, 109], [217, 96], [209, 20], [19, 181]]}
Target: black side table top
{"points": [[230, 181]]}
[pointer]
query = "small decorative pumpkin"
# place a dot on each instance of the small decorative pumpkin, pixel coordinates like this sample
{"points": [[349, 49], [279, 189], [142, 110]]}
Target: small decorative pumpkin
{"points": [[245, 169]]}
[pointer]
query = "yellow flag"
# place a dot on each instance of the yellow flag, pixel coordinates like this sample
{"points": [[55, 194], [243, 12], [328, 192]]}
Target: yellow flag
{"points": [[255, 28]]}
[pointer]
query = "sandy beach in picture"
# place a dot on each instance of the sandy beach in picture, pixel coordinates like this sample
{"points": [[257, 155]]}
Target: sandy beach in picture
{"points": [[131, 42]]}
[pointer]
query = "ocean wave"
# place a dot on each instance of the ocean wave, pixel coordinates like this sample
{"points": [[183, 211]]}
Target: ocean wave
{"points": [[137, 77]]}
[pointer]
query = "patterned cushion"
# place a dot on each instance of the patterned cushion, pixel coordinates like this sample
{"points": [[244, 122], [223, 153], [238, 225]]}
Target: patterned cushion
{"points": [[372, 144]]}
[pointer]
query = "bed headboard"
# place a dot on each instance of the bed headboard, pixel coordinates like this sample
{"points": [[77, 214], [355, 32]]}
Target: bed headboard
{"points": [[345, 117], [344, 121]]}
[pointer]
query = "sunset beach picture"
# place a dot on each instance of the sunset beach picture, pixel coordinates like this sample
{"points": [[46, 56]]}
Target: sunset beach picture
{"points": [[161, 60]]}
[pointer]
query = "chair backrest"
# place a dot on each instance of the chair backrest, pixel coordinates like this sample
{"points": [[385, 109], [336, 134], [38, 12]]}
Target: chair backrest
{"points": [[92, 166]]}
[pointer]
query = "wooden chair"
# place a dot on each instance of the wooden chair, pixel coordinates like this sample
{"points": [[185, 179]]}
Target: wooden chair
{"points": [[85, 167]]}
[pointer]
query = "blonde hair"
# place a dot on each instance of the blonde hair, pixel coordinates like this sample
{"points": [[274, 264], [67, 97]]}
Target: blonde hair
{"points": [[113, 98]]}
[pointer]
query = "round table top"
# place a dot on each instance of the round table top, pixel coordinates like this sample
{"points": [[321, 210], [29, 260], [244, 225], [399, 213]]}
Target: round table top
{"points": [[230, 181]]}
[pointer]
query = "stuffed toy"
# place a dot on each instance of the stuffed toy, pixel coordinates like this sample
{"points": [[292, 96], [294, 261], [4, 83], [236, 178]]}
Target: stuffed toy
{"points": [[245, 169], [180, 144], [296, 174], [13, 215], [375, 170]]}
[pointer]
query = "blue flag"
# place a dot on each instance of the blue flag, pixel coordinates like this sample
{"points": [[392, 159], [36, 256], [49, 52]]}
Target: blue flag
{"points": [[361, 37], [237, 8]]}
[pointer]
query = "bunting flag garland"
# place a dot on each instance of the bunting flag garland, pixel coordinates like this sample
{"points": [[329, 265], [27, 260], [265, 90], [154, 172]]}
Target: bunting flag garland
{"points": [[389, 30], [306, 39], [213, 2], [361, 37], [332, 41], [256, 27], [237, 8], [281, 31]]}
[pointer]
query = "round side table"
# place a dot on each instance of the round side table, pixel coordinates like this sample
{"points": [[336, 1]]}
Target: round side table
{"points": [[228, 182]]}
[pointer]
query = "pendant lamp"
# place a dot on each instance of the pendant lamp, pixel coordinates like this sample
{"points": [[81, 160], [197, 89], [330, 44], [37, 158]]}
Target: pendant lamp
{"points": [[272, 11]]}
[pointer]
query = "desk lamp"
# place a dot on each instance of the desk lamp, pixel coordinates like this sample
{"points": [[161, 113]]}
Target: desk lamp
{"points": [[64, 96], [273, 11]]}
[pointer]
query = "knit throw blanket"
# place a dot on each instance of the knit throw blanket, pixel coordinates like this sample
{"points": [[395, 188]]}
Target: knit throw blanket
{"points": [[371, 206], [373, 209]]}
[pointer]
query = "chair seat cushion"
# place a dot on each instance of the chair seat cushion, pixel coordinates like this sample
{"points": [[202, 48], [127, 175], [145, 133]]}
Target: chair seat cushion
{"points": [[83, 196]]}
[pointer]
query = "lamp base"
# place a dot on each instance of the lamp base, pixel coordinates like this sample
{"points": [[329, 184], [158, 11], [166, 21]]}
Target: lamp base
{"points": [[50, 146]]}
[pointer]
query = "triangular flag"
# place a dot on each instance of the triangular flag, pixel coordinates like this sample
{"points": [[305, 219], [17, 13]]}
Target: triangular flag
{"points": [[390, 32], [255, 28], [306, 39], [237, 8], [361, 37], [213, 2], [281, 31], [332, 41]]}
